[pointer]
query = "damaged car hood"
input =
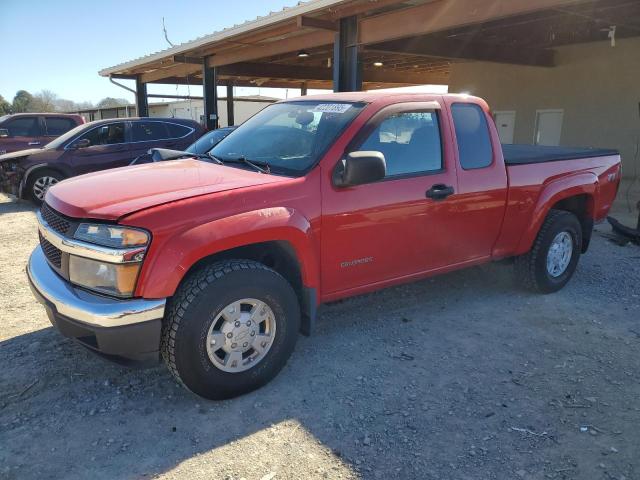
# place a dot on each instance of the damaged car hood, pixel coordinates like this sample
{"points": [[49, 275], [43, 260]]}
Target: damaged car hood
{"points": [[19, 154]]}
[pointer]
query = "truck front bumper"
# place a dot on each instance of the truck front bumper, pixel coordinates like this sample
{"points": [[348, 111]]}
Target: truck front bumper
{"points": [[125, 331]]}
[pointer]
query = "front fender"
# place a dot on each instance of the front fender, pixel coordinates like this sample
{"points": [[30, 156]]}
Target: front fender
{"points": [[170, 259], [583, 183]]}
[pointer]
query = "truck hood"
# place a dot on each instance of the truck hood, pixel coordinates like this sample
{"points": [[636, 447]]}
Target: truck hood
{"points": [[112, 194]]}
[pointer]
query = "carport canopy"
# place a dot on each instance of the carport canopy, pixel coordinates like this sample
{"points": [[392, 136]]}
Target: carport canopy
{"points": [[349, 45]]}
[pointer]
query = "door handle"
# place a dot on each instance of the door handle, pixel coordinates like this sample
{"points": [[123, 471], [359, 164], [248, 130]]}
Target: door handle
{"points": [[439, 191], [31, 144]]}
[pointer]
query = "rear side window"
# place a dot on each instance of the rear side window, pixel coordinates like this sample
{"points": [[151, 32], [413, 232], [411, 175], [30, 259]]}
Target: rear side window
{"points": [[56, 126], [472, 134], [149, 131], [178, 131], [23, 127]]}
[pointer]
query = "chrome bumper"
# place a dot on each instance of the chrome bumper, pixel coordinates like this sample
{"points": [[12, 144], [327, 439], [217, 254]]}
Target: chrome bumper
{"points": [[84, 307]]}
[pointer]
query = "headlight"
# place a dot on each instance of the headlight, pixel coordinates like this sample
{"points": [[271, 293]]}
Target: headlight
{"points": [[111, 235], [117, 279]]}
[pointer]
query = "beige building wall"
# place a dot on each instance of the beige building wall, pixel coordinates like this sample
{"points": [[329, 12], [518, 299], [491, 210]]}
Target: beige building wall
{"points": [[243, 109], [597, 86]]}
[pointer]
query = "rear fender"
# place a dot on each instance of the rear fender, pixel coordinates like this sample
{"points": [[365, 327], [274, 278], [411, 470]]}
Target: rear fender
{"points": [[169, 260], [553, 192]]}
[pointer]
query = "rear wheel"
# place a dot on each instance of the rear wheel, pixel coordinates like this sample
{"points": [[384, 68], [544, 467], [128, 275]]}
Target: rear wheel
{"points": [[230, 329], [553, 259], [39, 182]]}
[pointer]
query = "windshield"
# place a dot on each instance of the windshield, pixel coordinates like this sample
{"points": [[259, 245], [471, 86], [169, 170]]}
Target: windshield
{"points": [[289, 137], [62, 139], [209, 140]]}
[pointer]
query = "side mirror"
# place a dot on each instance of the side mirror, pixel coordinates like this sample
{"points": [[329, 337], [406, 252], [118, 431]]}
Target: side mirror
{"points": [[82, 143], [360, 168], [4, 133]]}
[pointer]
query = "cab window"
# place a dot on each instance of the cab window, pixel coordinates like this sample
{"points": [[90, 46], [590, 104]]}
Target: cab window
{"points": [[23, 127], [472, 136], [409, 141], [56, 126]]}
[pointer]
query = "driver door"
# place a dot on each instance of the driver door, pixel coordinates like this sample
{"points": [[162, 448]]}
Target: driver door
{"points": [[390, 230], [107, 149]]}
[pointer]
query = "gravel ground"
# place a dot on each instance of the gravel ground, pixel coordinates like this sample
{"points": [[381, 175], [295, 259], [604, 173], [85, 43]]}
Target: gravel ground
{"points": [[458, 377]]}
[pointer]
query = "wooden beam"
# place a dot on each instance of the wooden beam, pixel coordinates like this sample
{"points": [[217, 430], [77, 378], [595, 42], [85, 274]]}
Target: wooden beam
{"points": [[294, 72], [311, 22], [187, 59], [452, 48], [253, 52], [177, 70], [439, 15], [274, 70]]}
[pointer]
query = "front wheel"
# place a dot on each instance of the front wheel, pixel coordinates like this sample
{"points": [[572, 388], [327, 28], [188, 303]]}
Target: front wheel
{"points": [[553, 259], [39, 182], [230, 329]]}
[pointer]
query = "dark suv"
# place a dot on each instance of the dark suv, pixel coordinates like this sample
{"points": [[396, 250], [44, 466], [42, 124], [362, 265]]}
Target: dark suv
{"points": [[91, 147], [29, 130]]}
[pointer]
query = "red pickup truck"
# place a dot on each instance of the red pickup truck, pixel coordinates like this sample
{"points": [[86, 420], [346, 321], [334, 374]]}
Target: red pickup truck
{"points": [[215, 263]]}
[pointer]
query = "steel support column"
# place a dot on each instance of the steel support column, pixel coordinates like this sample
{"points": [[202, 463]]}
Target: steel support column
{"points": [[210, 92], [142, 103], [347, 68], [230, 105], [303, 89]]}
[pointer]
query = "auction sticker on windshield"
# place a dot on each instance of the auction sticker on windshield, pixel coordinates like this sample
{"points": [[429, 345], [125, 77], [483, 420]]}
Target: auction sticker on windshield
{"points": [[332, 107]]}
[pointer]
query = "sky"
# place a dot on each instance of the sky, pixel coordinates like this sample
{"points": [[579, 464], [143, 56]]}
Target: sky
{"points": [[61, 45], [68, 41]]}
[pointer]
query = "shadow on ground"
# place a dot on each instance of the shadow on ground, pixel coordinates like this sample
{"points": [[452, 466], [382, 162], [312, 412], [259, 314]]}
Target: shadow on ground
{"points": [[463, 376]]}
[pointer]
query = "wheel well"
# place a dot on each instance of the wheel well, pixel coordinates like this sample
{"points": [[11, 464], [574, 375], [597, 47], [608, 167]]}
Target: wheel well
{"points": [[39, 168], [280, 256], [582, 207]]}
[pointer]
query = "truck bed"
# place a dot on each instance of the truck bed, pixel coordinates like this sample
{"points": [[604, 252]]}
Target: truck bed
{"points": [[523, 154]]}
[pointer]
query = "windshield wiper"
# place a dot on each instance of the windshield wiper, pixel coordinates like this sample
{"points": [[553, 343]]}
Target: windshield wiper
{"points": [[262, 167], [160, 154]]}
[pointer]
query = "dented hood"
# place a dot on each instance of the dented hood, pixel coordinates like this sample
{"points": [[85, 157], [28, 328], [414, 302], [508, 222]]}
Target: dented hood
{"points": [[112, 194]]}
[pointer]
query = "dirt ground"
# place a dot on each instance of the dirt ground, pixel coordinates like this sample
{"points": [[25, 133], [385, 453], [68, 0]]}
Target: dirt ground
{"points": [[458, 377]]}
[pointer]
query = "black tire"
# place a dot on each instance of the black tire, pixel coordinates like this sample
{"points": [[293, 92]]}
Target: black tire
{"points": [[198, 301], [33, 181], [531, 268]]}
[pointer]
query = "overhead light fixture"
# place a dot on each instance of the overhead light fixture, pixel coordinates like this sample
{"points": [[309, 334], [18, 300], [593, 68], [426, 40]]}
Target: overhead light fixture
{"points": [[303, 54], [378, 64]]}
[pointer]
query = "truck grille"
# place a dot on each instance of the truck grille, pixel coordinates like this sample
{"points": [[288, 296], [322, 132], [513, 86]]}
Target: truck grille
{"points": [[53, 254], [55, 220]]}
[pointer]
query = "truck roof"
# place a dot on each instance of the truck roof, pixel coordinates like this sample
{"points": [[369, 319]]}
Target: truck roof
{"points": [[391, 97]]}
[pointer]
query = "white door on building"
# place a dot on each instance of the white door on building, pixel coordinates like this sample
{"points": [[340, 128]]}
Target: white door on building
{"points": [[548, 127], [505, 123]]}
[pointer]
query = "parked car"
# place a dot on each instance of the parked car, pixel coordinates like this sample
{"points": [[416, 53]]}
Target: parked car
{"points": [[30, 130], [216, 264], [88, 148], [200, 147]]}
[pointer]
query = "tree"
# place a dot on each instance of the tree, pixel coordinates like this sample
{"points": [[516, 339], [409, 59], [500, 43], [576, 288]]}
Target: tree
{"points": [[64, 105], [22, 101], [110, 102], [5, 107], [44, 101]]}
